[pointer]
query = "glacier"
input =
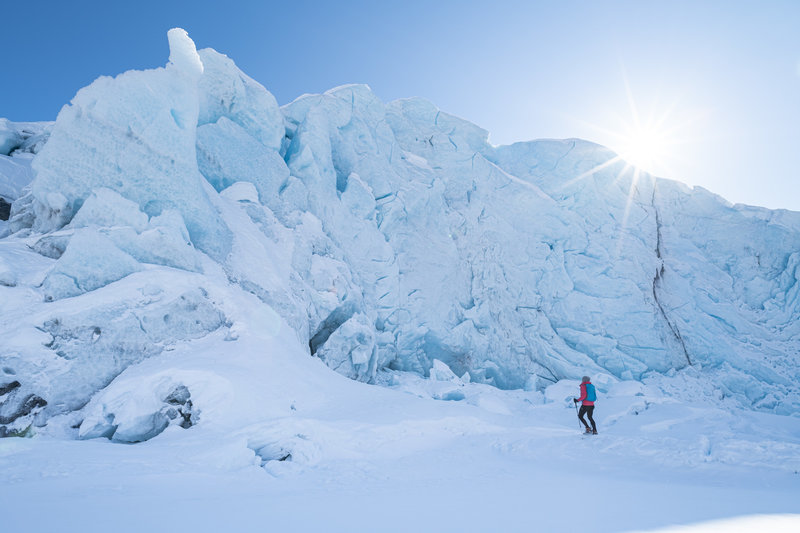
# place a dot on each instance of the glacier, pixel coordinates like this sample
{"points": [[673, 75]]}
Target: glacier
{"points": [[377, 238]]}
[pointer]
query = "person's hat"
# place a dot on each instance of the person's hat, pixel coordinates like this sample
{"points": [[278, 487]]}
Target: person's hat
{"points": [[586, 379]]}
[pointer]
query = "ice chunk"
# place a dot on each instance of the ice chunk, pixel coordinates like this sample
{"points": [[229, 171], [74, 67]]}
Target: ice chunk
{"points": [[90, 261], [105, 207], [162, 240], [358, 197], [349, 349], [275, 449], [562, 391], [226, 91], [360, 97], [441, 372], [15, 175], [241, 191], [422, 129], [77, 346], [166, 242], [10, 138], [226, 153]]}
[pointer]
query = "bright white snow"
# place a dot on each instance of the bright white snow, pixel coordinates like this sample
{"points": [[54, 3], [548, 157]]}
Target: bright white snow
{"points": [[186, 264]]}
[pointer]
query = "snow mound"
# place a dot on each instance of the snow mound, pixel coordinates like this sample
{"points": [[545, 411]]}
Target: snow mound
{"points": [[137, 410]]}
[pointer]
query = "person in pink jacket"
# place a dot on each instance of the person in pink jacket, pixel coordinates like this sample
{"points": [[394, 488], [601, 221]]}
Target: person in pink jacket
{"points": [[587, 399]]}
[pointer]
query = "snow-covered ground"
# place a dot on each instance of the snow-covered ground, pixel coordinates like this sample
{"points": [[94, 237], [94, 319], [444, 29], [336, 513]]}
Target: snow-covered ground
{"points": [[345, 315], [365, 458]]}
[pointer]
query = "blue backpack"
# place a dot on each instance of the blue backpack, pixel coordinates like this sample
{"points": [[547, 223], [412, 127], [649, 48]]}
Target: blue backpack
{"points": [[591, 394]]}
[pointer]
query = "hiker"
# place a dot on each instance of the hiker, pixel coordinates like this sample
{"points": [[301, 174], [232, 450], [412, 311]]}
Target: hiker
{"points": [[588, 397]]}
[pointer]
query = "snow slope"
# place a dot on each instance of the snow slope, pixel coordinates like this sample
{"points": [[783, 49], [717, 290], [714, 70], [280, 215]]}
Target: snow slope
{"points": [[191, 260], [363, 458]]}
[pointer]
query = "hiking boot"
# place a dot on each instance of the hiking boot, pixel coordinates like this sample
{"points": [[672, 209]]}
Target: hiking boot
{"points": [[594, 432], [588, 430]]}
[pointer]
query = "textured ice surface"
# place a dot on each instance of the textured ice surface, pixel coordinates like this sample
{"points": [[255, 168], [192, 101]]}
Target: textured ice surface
{"points": [[350, 348], [227, 153], [90, 261], [10, 137], [226, 91], [15, 175], [17, 138], [161, 240], [19, 141], [385, 237], [134, 134], [528, 263]]}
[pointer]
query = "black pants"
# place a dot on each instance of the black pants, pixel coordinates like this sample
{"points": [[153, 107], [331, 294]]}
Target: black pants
{"points": [[587, 410]]}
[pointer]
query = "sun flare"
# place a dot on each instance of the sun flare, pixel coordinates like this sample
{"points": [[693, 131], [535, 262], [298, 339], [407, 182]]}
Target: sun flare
{"points": [[648, 141], [646, 147]]}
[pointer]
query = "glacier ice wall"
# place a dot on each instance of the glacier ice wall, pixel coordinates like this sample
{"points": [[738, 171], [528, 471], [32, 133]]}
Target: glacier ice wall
{"points": [[134, 134], [387, 236]]}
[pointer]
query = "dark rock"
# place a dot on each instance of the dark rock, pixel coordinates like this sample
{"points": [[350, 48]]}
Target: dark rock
{"points": [[5, 209], [188, 416], [5, 389], [25, 408], [24, 432]]}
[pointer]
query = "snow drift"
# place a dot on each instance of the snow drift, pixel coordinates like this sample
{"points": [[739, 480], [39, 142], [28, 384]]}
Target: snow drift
{"points": [[380, 236]]}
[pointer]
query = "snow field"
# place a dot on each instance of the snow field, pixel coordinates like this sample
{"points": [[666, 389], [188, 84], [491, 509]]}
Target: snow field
{"points": [[370, 454]]}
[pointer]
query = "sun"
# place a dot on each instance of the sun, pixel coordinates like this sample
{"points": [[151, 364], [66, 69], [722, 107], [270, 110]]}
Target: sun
{"points": [[645, 144], [649, 137], [646, 147], [648, 141]]}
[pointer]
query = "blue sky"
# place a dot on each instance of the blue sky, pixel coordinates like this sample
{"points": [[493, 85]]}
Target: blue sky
{"points": [[723, 77]]}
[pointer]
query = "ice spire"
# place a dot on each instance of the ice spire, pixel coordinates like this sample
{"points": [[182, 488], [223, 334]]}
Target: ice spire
{"points": [[183, 54]]}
